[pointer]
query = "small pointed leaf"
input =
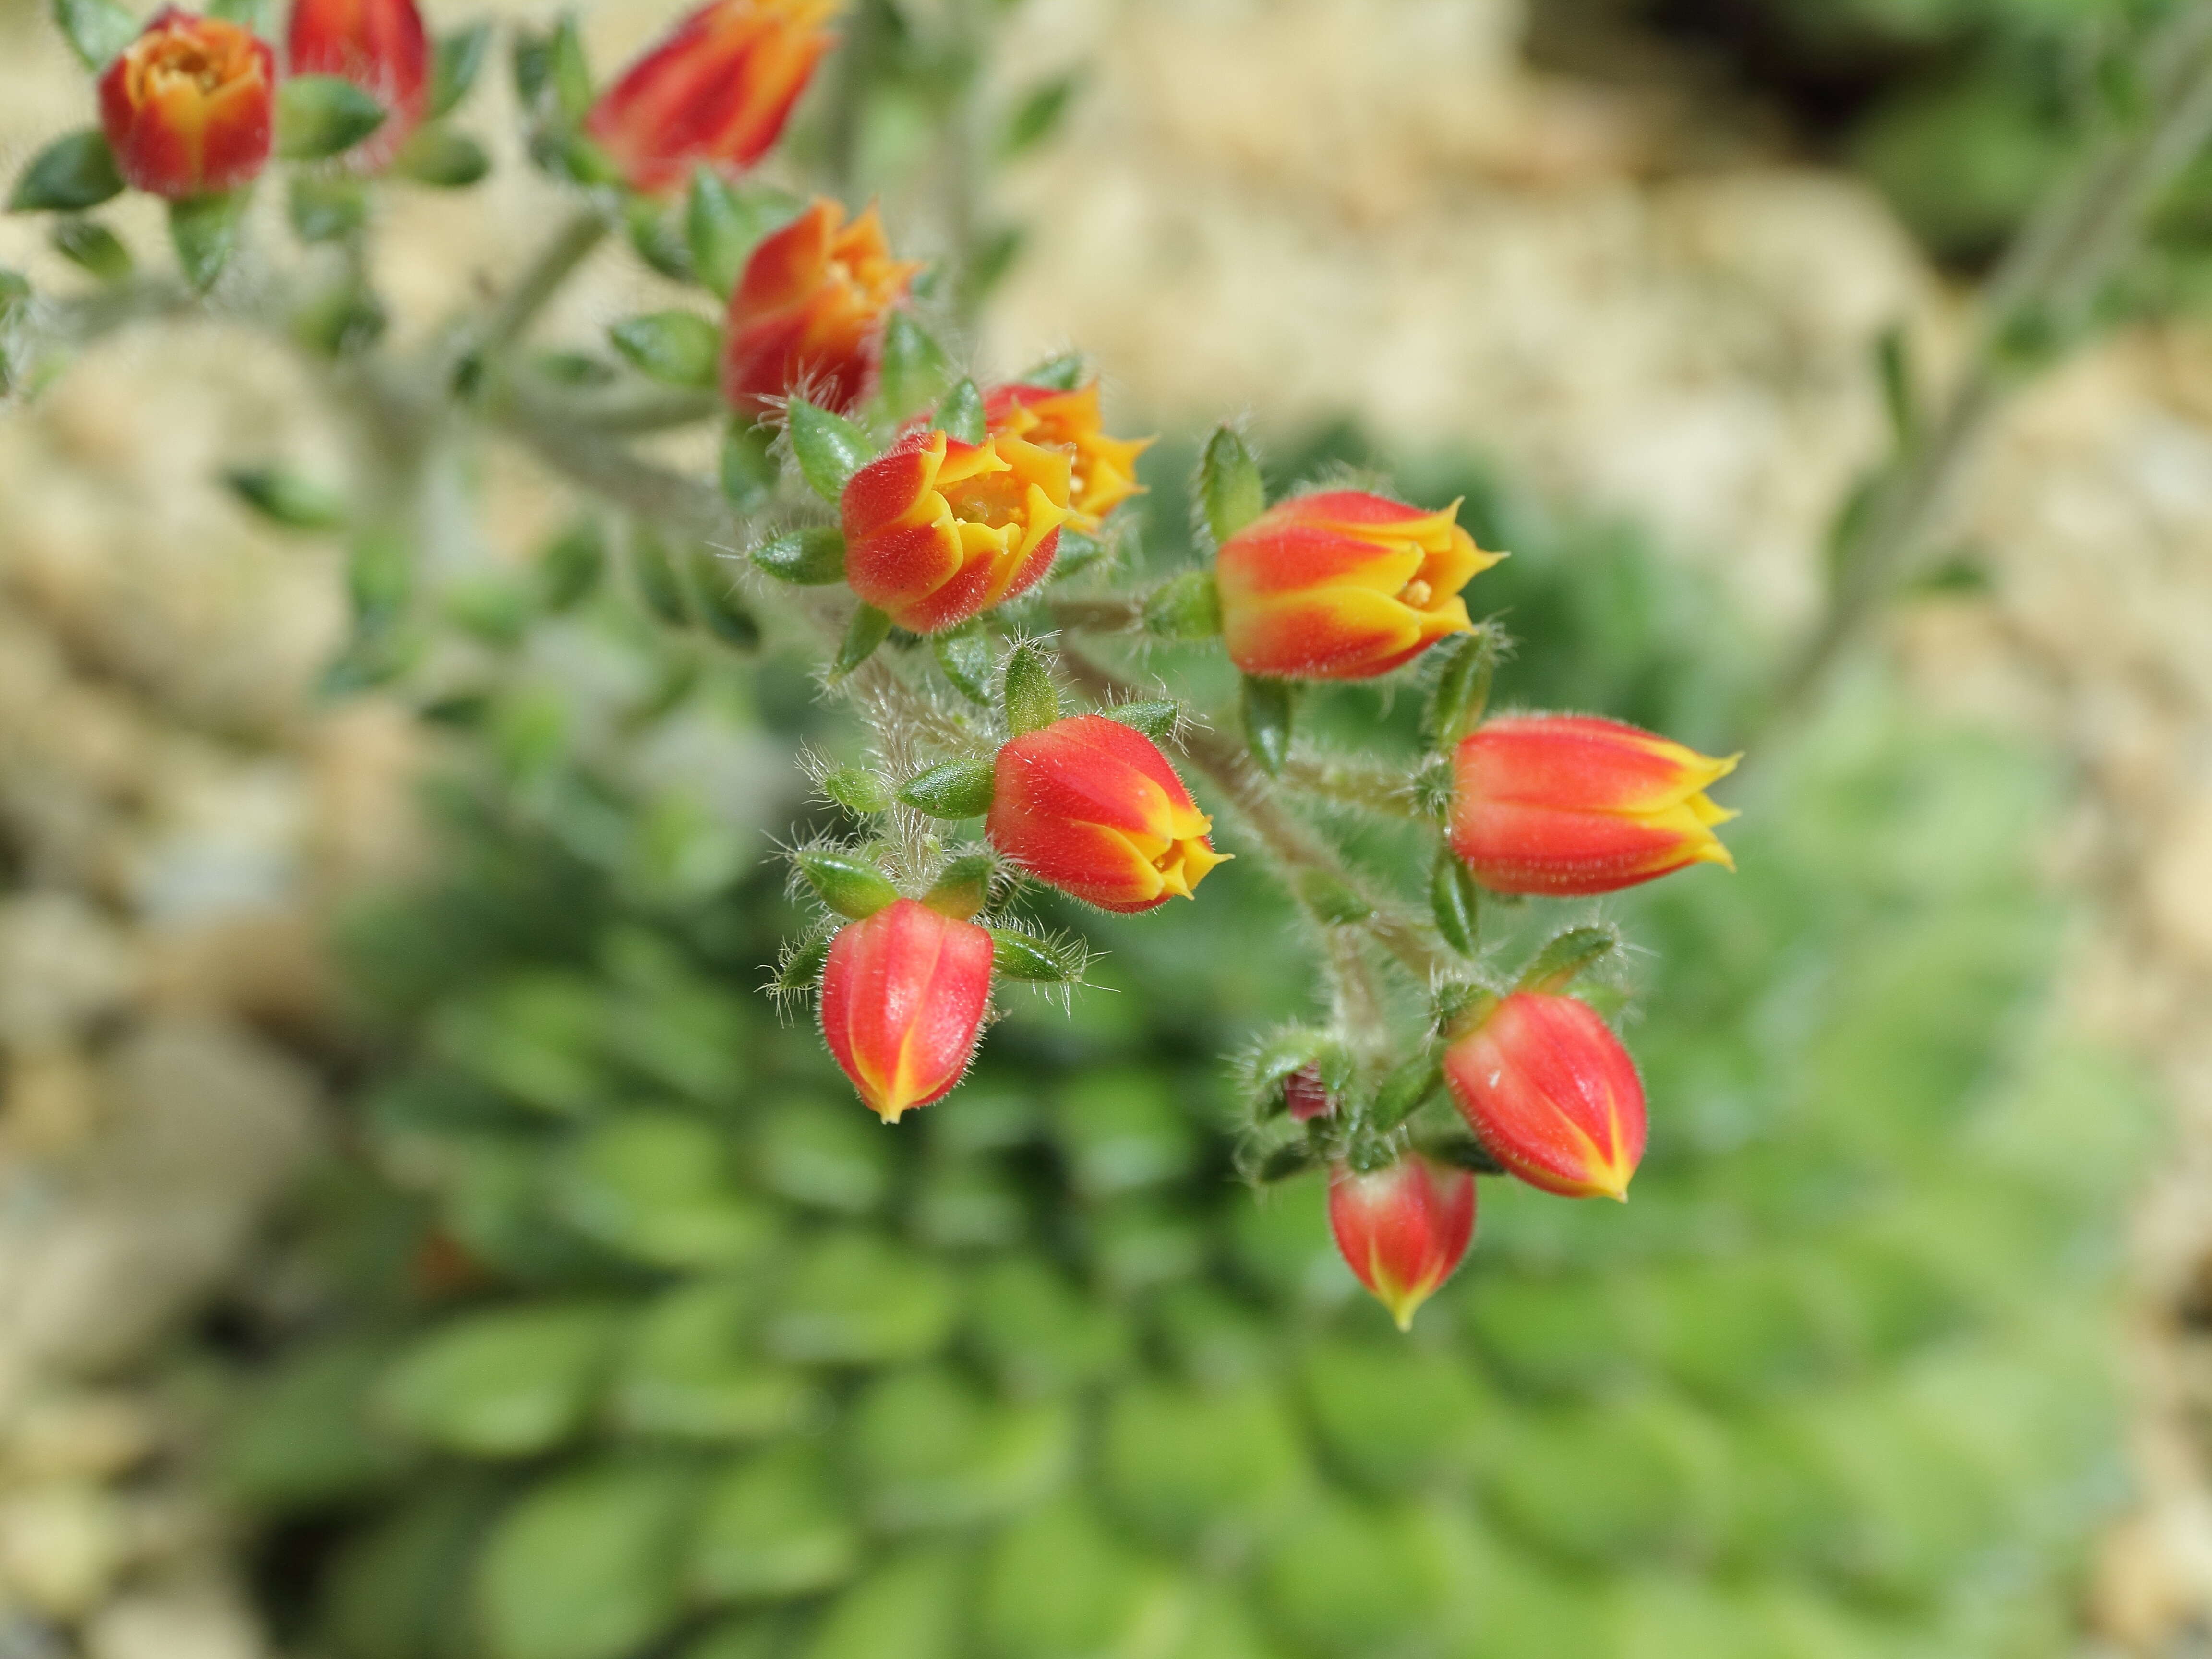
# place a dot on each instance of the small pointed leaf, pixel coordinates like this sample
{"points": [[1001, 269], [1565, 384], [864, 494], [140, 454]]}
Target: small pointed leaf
{"points": [[1037, 961], [1456, 898], [858, 790], [91, 246], [964, 655], [459, 59], [319, 116], [869, 628], [963, 888], [749, 470], [676, 347], [830, 448], [1186, 607], [953, 789], [1268, 706], [915, 368], [284, 497], [95, 29], [847, 883], [961, 414], [204, 230], [808, 557], [76, 172], [1062, 373], [1567, 957], [1030, 699], [1155, 718], [442, 157], [1229, 484]]}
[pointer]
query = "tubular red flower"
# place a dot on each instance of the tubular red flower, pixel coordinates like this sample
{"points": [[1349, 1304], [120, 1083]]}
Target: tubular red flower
{"points": [[937, 530], [1093, 808], [1402, 1230], [1570, 805], [1103, 470], [1343, 586], [807, 316], [716, 93], [902, 997], [380, 47], [1548, 1089], [188, 107]]}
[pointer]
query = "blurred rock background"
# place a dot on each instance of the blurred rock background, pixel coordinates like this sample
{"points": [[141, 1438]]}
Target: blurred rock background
{"points": [[1603, 253]]}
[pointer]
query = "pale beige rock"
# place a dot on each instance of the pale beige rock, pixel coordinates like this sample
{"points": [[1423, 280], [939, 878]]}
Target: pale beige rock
{"points": [[62, 1545]]}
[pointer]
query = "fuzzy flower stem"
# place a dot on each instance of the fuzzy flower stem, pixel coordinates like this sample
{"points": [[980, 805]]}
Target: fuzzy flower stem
{"points": [[541, 279], [1356, 783]]}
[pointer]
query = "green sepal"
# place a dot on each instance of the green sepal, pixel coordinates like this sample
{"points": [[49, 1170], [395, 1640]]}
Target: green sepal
{"points": [[76, 172], [869, 628], [676, 347], [1062, 373], [568, 73], [1028, 698], [716, 602], [283, 497], [657, 238], [570, 566], [1038, 115], [748, 468], [1458, 1152], [1230, 489], [1268, 707], [845, 883], [858, 791], [441, 156], [1566, 958], [798, 967], [319, 116], [808, 557], [204, 230], [963, 889], [960, 414], [96, 30], [326, 207], [458, 58], [91, 247], [1455, 900], [652, 570], [953, 789], [915, 370], [1461, 691], [1331, 899], [1036, 961], [1154, 717], [964, 655], [830, 448], [1186, 607], [1404, 1090]]}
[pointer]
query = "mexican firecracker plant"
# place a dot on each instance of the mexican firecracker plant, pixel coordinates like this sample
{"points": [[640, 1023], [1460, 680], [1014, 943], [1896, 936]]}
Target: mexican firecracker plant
{"points": [[953, 547]]}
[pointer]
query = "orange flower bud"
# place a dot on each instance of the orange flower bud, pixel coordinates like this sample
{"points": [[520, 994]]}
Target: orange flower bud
{"points": [[1548, 1089], [1092, 807], [807, 315], [902, 997], [1343, 586], [188, 107], [937, 531], [380, 47], [715, 92], [1103, 470], [1570, 805], [1402, 1230]]}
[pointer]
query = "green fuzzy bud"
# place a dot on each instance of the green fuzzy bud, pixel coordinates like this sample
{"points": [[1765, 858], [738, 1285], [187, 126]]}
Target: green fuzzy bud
{"points": [[1156, 718], [1455, 900], [830, 448], [965, 656], [1187, 606], [283, 497], [458, 59], [1037, 961], [76, 172], [845, 883], [961, 414], [319, 116], [952, 789], [807, 558], [1230, 489], [676, 347], [869, 628], [442, 157], [1029, 699], [1268, 707]]}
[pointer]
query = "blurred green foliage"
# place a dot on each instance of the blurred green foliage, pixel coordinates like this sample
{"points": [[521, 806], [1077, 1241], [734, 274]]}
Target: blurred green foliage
{"points": [[639, 1336]]}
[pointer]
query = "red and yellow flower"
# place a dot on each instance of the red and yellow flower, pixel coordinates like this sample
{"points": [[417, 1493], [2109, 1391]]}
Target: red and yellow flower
{"points": [[188, 107], [1343, 586], [1571, 805], [381, 46], [1551, 1095], [1101, 470], [937, 530], [716, 93], [903, 996], [1402, 1230], [1091, 806], [807, 316]]}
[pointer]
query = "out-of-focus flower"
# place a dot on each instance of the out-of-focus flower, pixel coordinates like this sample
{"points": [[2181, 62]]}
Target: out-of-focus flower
{"points": [[937, 530], [715, 92], [1402, 1230], [188, 107], [1343, 586], [1093, 808], [807, 316], [1570, 805], [903, 993], [1551, 1095], [379, 46], [1103, 470]]}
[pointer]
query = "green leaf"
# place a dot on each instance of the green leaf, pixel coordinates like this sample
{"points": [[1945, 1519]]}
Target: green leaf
{"points": [[994, 254], [824, 1155], [569, 75], [772, 1527], [656, 1186], [657, 237], [1230, 489], [459, 58], [715, 599], [571, 565], [284, 497], [653, 572], [91, 247], [929, 1449], [1029, 699], [326, 207], [691, 1371], [587, 1566], [809, 558], [911, 1608], [1268, 709], [95, 29], [1186, 607], [961, 414], [869, 628], [723, 224], [845, 882], [1567, 956], [916, 370], [1456, 901], [1899, 393], [953, 789], [76, 172], [799, 964], [1062, 373], [858, 790], [858, 1299], [319, 116], [1060, 1585], [1409, 1084], [965, 655], [531, 58], [676, 347], [204, 230], [1035, 960], [510, 1383], [442, 157], [1156, 718], [828, 447], [748, 471], [963, 888], [1461, 691], [1038, 115]]}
